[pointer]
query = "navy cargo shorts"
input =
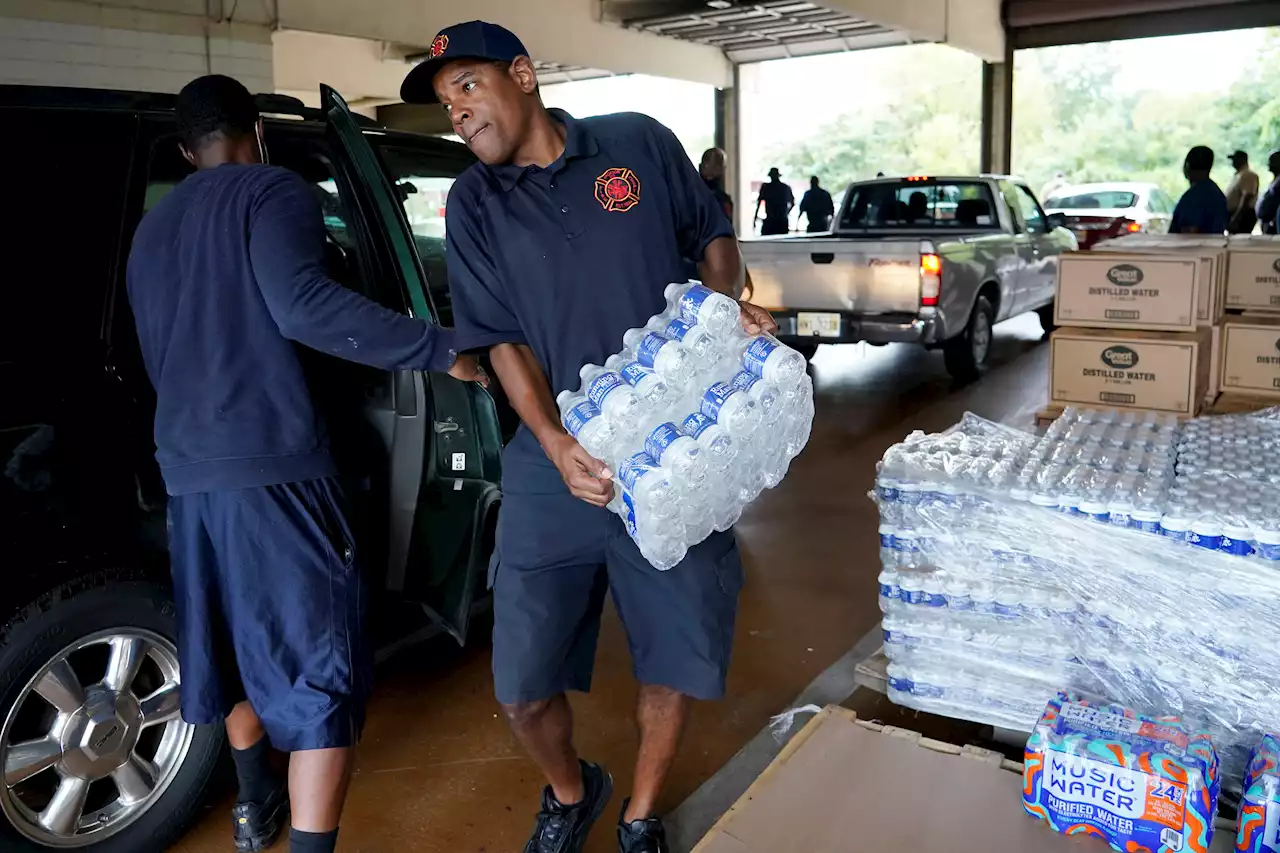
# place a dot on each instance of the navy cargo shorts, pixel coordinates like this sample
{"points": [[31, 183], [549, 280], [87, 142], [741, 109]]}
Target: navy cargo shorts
{"points": [[556, 558], [271, 609]]}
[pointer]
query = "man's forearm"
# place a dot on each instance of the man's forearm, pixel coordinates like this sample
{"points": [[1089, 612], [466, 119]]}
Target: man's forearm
{"points": [[527, 390], [721, 268]]}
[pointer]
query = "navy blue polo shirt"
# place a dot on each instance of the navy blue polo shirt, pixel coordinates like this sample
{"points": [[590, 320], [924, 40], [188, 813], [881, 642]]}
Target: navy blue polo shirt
{"points": [[1202, 207], [568, 258]]}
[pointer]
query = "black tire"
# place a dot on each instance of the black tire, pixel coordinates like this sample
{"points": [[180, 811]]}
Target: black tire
{"points": [[76, 610], [1045, 314], [808, 349], [966, 354]]}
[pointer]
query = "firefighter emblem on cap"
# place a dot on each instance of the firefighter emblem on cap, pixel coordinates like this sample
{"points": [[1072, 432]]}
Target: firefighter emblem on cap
{"points": [[439, 45], [618, 190]]}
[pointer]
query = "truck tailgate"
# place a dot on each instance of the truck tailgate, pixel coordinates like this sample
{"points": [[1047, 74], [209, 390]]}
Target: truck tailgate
{"points": [[831, 274]]}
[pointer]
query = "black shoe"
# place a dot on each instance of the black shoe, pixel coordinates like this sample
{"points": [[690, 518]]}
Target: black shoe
{"points": [[563, 829], [258, 825], [641, 836]]}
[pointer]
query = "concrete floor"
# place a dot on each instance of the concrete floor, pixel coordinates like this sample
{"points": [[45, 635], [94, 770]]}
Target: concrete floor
{"points": [[438, 770]]}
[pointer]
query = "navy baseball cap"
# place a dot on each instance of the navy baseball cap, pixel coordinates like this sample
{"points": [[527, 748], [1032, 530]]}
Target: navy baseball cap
{"points": [[472, 40]]}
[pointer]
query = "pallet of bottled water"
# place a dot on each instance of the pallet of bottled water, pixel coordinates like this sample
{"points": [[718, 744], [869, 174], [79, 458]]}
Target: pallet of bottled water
{"points": [[1126, 557], [695, 417]]}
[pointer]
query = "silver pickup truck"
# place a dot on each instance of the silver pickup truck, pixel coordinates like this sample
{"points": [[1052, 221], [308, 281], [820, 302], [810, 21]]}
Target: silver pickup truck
{"points": [[933, 261]]}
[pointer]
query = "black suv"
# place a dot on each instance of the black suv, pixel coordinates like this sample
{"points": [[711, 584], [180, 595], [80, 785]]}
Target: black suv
{"points": [[94, 752]]}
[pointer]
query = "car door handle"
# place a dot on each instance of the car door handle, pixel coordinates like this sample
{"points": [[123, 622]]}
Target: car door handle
{"points": [[404, 394], [822, 257]]}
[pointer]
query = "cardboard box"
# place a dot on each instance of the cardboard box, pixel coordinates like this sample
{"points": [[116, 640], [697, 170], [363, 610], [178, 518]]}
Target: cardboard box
{"points": [[1210, 281], [1215, 365], [1253, 277], [1251, 357], [844, 785], [1160, 371]]}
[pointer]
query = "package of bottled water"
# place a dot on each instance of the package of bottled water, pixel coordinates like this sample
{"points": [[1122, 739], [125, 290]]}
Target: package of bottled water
{"points": [[695, 417], [1128, 557]]}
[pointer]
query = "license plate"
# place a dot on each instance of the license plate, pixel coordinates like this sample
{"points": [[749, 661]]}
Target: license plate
{"points": [[810, 325]]}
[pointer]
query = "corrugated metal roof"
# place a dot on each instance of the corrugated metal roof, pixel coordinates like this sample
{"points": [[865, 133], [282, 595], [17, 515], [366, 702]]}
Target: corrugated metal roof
{"points": [[754, 31]]}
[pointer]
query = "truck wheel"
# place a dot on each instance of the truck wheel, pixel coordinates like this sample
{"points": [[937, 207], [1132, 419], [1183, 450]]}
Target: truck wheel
{"points": [[1045, 314], [806, 349], [95, 753], [966, 354]]}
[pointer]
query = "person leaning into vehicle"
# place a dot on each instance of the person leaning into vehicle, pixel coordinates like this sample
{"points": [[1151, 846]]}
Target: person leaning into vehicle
{"points": [[226, 276], [1202, 208], [561, 238]]}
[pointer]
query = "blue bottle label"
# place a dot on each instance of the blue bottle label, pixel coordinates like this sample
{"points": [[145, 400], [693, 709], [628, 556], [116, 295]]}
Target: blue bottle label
{"points": [[602, 386], [934, 599], [662, 438], [634, 373], [895, 637], [757, 354], [635, 467], [1120, 519], [676, 330], [696, 424], [714, 399], [926, 691], [1236, 547], [1146, 526], [578, 417], [1201, 540], [887, 540], [889, 590], [1269, 551], [902, 685], [691, 303], [629, 514], [742, 380], [915, 596], [647, 352]]}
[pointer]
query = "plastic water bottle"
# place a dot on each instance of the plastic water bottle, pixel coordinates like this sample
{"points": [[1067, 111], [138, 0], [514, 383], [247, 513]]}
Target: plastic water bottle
{"points": [[1176, 522], [583, 420], [1266, 537], [655, 500], [1207, 532], [765, 356], [714, 439], [668, 358], [732, 409], [695, 303], [696, 338], [663, 552], [766, 396], [679, 454], [611, 394], [653, 392], [1237, 537]]}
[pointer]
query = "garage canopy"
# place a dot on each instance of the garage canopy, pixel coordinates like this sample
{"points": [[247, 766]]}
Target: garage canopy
{"points": [[1043, 23]]}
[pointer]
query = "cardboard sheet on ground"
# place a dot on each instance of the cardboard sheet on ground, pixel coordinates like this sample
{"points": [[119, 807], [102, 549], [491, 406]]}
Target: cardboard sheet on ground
{"points": [[847, 786]]}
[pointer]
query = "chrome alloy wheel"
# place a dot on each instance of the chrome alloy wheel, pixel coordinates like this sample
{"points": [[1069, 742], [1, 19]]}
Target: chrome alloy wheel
{"points": [[94, 739]]}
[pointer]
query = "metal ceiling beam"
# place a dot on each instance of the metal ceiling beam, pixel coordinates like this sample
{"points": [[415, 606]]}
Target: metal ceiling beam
{"points": [[1183, 21]]}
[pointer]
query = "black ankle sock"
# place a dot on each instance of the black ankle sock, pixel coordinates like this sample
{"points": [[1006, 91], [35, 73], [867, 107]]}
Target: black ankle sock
{"points": [[312, 842], [257, 779]]}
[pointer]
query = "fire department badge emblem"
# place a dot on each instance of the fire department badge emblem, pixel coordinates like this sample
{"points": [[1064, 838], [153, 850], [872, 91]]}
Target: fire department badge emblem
{"points": [[439, 45], [618, 190]]}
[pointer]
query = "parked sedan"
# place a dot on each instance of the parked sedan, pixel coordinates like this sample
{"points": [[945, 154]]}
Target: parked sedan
{"points": [[1097, 212]]}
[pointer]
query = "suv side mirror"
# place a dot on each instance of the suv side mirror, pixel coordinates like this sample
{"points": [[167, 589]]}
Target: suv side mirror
{"points": [[1057, 220]]}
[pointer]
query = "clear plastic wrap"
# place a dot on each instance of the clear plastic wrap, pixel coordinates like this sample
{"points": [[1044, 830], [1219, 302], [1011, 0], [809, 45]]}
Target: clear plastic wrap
{"points": [[1124, 557]]}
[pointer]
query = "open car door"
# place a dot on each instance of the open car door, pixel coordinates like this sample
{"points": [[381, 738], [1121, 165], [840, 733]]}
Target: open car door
{"points": [[442, 436]]}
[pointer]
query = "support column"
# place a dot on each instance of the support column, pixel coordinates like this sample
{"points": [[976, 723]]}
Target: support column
{"points": [[728, 102], [997, 115]]}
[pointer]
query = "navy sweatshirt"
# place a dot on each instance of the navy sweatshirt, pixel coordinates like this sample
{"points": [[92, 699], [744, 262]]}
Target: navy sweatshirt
{"points": [[225, 277]]}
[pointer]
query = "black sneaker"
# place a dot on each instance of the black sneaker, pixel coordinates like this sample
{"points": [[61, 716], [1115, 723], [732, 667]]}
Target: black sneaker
{"points": [[641, 836], [563, 829], [258, 825]]}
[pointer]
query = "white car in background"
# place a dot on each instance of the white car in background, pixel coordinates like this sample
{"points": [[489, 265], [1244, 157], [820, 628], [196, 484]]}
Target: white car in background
{"points": [[1097, 212]]}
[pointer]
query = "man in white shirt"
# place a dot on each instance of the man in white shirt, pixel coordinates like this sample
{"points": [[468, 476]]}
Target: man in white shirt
{"points": [[1242, 195]]}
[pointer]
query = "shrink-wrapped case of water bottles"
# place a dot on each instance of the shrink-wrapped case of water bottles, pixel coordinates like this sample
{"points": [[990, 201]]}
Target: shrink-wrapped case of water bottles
{"points": [[694, 417]]}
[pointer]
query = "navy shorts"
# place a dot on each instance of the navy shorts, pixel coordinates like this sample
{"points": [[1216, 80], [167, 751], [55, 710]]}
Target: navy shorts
{"points": [[271, 609], [557, 556]]}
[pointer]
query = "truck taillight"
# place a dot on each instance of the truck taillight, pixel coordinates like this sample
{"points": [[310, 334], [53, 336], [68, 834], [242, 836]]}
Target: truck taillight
{"points": [[930, 280]]}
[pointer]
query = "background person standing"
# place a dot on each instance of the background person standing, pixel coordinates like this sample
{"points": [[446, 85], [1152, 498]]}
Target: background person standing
{"points": [[1269, 204], [1242, 196], [817, 207], [1202, 208], [778, 201]]}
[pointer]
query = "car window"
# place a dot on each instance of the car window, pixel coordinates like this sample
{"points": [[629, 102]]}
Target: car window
{"points": [[1032, 216], [1084, 201], [423, 177], [66, 202], [916, 204]]}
